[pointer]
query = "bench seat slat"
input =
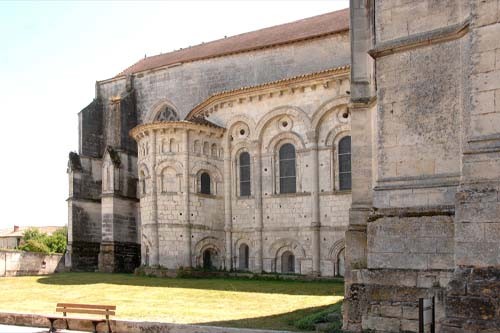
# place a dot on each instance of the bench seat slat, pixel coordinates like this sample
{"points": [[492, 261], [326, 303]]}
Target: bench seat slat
{"points": [[86, 311], [85, 306], [77, 318]]}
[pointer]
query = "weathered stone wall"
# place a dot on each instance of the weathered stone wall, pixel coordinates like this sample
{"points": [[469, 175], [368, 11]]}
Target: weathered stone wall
{"points": [[432, 205], [90, 127], [189, 84], [16, 263], [84, 212]]}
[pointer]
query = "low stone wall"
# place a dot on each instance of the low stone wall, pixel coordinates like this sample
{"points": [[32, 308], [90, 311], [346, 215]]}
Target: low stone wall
{"points": [[193, 273], [472, 301], [121, 326], [386, 300], [15, 263]]}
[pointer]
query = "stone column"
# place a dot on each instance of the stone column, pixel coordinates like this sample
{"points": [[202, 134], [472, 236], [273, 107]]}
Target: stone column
{"points": [[228, 224], [257, 185], [362, 108], [186, 188], [155, 256], [315, 204]]}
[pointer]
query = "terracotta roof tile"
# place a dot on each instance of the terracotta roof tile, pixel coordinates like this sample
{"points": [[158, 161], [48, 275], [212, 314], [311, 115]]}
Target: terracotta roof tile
{"points": [[316, 26]]}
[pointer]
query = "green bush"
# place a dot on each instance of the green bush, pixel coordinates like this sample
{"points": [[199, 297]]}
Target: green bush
{"points": [[35, 245], [36, 241]]}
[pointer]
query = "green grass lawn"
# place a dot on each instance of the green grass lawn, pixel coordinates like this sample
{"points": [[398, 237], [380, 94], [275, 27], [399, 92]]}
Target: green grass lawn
{"points": [[222, 302]]}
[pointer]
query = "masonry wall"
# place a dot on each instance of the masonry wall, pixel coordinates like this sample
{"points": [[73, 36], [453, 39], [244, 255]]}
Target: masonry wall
{"points": [[427, 214], [256, 126], [84, 212], [17, 263], [315, 114]]}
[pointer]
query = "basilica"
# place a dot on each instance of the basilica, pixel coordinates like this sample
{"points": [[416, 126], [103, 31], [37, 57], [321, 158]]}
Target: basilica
{"points": [[362, 143], [232, 154]]}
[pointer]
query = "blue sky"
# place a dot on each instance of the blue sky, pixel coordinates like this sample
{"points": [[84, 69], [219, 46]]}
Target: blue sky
{"points": [[52, 52]]}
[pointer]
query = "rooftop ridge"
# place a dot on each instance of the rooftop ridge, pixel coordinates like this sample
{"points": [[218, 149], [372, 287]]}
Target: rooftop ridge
{"points": [[291, 32]]}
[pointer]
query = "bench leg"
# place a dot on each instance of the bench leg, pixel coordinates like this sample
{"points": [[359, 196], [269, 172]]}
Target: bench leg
{"points": [[94, 323], [52, 328]]}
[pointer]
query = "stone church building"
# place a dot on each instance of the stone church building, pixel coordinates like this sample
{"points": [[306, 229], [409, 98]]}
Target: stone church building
{"points": [[370, 135]]}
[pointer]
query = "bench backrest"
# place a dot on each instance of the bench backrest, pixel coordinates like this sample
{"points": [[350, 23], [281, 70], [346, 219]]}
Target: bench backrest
{"points": [[105, 310]]}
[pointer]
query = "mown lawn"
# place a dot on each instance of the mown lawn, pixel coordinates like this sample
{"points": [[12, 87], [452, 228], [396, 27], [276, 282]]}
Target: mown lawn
{"points": [[222, 302]]}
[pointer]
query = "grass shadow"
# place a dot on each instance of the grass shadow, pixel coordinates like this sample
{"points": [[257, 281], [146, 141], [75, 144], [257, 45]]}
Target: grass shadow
{"points": [[314, 288], [286, 321]]}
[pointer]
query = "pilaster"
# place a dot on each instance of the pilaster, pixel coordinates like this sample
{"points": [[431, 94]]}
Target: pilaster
{"points": [[155, 256], [186, 188], [227, 205], [257, 176], [315, 204]]}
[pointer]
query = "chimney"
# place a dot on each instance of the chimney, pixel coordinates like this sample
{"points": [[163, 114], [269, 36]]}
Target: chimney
{"points": [[16, 228]]}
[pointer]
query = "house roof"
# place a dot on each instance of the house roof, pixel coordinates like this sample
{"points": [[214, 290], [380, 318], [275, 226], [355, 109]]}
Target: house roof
{"points": [[19, 231], [312, 27]]}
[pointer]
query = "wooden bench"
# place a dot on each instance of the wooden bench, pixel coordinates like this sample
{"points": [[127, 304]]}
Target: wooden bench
{"points": [[92, 309]]}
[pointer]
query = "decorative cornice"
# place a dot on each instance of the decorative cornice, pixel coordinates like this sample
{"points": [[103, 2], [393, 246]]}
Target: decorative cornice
{"points": [[435, 36], [141, 131], [268, 89]]}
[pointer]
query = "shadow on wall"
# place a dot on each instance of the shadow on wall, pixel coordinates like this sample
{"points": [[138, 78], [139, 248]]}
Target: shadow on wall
{"points": [[316, 288]]}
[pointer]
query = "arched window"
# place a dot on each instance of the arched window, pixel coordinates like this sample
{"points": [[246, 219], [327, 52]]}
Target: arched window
{"points": [[287, 169], [340, 263], [143, 182], [205, 183], [197, 147], [345, 182], [287, 262], [245, 186], [243, 256], [169, 181], [172, 146], [214, 150], [207, 259], [167, 114]]}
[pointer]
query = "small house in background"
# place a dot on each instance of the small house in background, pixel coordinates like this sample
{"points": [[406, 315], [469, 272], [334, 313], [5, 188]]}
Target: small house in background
{"points": [[11, 238]]}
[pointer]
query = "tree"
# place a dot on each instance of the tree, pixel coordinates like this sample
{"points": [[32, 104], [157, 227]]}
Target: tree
{"points": [[36, 241]]}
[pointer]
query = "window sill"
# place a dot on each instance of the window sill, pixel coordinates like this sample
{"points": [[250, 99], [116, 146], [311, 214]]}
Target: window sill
{"points": [[336, 192], [245, 197], [210, 196], [284, 195]]}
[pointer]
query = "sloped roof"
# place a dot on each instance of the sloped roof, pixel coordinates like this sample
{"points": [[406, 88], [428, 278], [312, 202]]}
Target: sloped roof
{"points": [[195, 116], [20, 231], [316, 26]]}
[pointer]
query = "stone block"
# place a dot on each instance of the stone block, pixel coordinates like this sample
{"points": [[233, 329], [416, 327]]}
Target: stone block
{"points": [[380, 324], [409, 325], [487, 37], [470, 308], [456, 287], [486, 12], [486, 124], [410, 312], [483, 102], [489, 289], [393, 311], [492, 231], [485, 81]]}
